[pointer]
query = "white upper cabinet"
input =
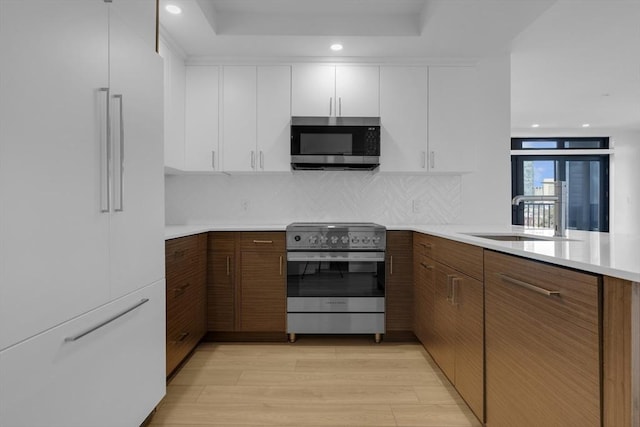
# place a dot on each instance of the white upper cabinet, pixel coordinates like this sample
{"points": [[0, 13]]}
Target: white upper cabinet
{"points": [[403, 115], [325, 90], [201, 119], [274, 118], [357, 91], [174, 99], [256, 117], [239, 126], [453, 104]]}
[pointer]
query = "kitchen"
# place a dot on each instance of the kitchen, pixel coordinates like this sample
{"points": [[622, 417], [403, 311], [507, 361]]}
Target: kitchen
{"points": [[472, 190]]}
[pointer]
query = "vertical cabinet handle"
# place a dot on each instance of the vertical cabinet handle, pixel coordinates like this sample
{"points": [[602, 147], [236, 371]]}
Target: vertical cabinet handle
{"points": [[105, 157], [432, 159], [330, 105], [455, 282], [253, 159], [340, 106], [228, 265], [261, 159], [450, 288], [281, 265], [391, 265], [213, 159], [423, 164], [120, 163]]}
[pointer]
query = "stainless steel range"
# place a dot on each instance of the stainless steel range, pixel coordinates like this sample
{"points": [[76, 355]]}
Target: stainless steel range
{"points": [[335, 278]]}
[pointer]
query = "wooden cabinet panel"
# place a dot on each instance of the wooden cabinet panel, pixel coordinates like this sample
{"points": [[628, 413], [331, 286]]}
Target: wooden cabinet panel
{"points": [[185, 296], [262, 291], [442, 347], [542, 352], [424, 293], [399, 281], [461, 256], [424, 244], [221, 264], [262, 240]]}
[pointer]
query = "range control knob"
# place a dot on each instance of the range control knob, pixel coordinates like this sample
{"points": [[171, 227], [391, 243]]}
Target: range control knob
{"points": [[375, 240], [345, 239], [354, 239], [365, 239], [313, 239], [334, 239], [323, 239]]}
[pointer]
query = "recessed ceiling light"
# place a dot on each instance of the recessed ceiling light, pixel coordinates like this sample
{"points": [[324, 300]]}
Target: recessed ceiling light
{"points": [[336, 47], [535, 125], [585, 125], [173, 9]]}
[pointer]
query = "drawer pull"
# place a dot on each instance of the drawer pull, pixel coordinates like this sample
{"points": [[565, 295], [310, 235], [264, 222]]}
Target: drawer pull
{"points": [[281, 265], [228, 265], [428, 267], [263, 241], [183, 336], [529, 286], [426, 245], [179, 291], [391, 265], [106, 322]]}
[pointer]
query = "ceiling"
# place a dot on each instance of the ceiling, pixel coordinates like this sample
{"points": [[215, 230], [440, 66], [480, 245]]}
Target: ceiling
{"points": [[573, 61]]}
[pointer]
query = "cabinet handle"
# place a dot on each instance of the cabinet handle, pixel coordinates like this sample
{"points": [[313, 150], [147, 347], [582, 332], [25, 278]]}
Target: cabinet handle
{"points": [[424, 159], [330, 105], [340, 106], [428, 267], [179, 291], [213, 159], [261, 160], [120, 162], [432, 159], [105, 157], [228, 266], [253, 159], [106, 322], [391, 265], [529, 286], [281, 265], [426, 245], [450, 288], [455, 281], [263, 241], [183, 336]]}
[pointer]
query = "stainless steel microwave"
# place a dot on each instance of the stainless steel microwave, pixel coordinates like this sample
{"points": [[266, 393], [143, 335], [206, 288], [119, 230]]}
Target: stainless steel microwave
{"points": [[335, 143]]}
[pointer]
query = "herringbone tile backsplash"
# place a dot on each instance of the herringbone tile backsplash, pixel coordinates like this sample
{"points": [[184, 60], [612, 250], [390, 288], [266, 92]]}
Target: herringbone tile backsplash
{"points": [[313, 196]]}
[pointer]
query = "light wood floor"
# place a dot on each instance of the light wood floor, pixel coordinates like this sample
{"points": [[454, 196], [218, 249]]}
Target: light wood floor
{"points": [[318, 381]]}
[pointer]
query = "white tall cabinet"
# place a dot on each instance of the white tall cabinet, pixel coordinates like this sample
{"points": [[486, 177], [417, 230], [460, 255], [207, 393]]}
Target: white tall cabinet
{"points": [[81, 218], [202, 128], [327, 90]]}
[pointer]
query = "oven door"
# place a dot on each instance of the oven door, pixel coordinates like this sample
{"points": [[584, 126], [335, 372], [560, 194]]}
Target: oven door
{"points": [[335, 274]]}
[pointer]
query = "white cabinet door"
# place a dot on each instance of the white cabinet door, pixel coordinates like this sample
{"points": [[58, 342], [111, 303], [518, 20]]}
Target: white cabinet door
{"points": [[274, 118], [239, 118], [201, 119], [313, 90], [54, 259], [357, 91], [403, 116], [452, 123], [113, 376], [174, 87], [137, 221]]}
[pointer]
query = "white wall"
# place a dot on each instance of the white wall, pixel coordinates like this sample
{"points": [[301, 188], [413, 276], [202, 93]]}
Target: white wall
{"points": [[312, 196], [486, 194]]}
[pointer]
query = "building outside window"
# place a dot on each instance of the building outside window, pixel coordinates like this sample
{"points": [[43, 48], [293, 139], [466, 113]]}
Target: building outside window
{"points": [[536, 163]]}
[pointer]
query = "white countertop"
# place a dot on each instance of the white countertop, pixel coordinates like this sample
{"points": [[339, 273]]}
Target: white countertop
{"points": [[616, 255]]}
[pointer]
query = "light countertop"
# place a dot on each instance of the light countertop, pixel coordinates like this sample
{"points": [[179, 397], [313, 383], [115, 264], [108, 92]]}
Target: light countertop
{"points": [[616, 255]]}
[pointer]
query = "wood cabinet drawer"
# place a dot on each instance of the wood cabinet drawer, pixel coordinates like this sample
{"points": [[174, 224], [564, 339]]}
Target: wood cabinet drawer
{"points": [[424, 244], [181, 256], [183, 294], [263, 240], [467, 259], [542, 344]]}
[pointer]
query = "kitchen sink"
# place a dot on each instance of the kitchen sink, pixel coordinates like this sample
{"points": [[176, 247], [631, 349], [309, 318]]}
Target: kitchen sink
{"points": [[516, 237]]}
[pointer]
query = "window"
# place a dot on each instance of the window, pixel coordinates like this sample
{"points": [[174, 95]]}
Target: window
{"points": [[586, 174]]}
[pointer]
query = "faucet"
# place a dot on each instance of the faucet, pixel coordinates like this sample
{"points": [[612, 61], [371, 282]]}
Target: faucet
{"points": [[560, 200]]}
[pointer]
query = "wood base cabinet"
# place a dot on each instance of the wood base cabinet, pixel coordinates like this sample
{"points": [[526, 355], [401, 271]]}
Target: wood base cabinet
{"points": [[221, 264], [542, 344], [186, 296], [399, 283]]}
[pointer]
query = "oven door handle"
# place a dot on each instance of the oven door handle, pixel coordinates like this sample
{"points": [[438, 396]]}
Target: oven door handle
{"points": [[336, 256]]}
